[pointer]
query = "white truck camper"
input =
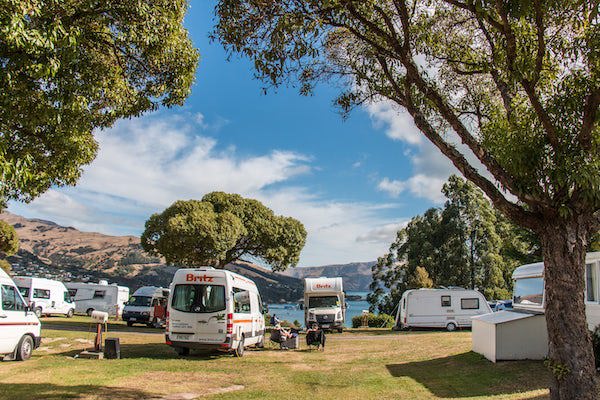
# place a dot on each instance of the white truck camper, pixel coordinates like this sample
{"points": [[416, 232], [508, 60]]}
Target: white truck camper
{"points": [[45, 296], [440, 308], [324, 303], [522, 334], [213, 310], [146, 306], [20, 329], [99, 296]]}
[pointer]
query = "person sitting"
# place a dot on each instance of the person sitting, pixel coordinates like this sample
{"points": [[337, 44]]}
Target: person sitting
{"points": [[315, 337], [280, 335]]}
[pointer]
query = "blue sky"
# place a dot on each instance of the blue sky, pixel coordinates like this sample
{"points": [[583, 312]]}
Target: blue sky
{"points": [[353, 183]]}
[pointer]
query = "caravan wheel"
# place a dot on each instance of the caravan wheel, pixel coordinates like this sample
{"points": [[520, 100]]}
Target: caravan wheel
{"points": [[25, 348], [451, 327], [70, 313], [38, 312], [89, 311]]}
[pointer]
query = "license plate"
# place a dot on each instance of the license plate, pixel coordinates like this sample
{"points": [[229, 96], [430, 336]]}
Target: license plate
{"points": [[325, 325], [132, 319], [183, 337]]}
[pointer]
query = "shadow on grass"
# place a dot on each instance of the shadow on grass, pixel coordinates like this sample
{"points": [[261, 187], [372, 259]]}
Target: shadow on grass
{"points": [[64, 324], [15, 391], [155, 351], [470, 375]]}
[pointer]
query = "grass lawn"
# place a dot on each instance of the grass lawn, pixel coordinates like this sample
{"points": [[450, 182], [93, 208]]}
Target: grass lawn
{"points": [[355, 365]]}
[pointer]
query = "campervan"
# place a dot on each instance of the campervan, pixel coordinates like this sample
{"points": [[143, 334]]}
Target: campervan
{"points": [[146, 306], [99, 296], [440, 308], [45, 296], [210, 309], [20, 329], [324, 303]]}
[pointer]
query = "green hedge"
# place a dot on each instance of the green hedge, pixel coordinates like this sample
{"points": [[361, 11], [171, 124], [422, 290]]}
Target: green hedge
{"points": [[374, 321]]}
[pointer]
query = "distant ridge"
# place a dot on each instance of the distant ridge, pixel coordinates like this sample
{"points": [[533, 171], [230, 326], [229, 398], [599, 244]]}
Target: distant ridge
{"points": [[357, 276]]}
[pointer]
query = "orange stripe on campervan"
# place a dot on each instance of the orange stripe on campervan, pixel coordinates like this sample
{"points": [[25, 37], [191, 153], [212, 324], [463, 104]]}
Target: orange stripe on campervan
{"points": [[242, 320]]}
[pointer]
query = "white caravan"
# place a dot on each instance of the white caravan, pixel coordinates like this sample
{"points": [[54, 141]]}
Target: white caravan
{"points": [[212, 309], [98, 297], [324, 303], [146, 306], [45, 296], [440, 308], [20, 329]]}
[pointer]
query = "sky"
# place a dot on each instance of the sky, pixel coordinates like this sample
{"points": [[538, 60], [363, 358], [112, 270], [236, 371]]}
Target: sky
{"points": [[352, 182]]}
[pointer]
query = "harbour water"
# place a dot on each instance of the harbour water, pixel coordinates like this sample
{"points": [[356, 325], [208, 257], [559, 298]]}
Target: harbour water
{"points": [[292, 312]]}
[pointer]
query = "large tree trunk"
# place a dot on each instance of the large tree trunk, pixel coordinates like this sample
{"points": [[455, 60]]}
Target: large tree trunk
{"points": [[570, 358]]}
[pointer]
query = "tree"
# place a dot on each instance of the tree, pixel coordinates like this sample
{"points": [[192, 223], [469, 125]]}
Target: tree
{"points": [[223, 228], [421, 279], [70, 67], [9, 244], [516, 82]]}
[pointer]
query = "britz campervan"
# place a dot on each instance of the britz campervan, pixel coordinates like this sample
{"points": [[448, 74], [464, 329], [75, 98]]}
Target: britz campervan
{"points": [[440, 308], [45, 296], [146, 306], [99, 296], [20, 329], [213, 309], [324, 303], [529, 294]]}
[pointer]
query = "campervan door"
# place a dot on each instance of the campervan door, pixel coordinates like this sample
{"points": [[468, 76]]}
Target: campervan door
{"points": [[45, 296]]}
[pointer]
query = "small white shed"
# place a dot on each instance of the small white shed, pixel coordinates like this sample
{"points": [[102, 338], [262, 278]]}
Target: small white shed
{"points": [[510, 335]]}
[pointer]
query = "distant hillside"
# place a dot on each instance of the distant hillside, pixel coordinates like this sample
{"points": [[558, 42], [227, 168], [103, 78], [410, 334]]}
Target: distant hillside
{"points": [[65, 253], [357, 276]]}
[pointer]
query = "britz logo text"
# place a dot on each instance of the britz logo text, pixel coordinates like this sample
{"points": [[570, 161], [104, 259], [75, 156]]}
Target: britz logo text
{"points": [[194, 278], [323, 286]]}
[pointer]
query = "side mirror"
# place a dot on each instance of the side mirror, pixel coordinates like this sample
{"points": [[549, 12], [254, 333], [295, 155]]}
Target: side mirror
{"points": [[301, 306], [265, 308], [27, 310]]}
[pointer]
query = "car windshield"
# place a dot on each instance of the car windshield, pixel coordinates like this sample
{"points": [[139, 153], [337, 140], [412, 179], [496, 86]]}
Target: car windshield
{"points": [[323, 302], [529, 291], [199, 298], [139, 301]]}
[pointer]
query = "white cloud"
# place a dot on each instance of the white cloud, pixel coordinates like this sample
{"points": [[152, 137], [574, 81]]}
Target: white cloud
{"points": [[392, 187], [382, 234], [399, 124]]}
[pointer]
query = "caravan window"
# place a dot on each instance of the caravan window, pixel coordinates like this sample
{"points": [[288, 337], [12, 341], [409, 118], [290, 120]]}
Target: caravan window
{"points": [[198, 298], [41, 294], [591, 281], [24, 291], [241, 301], [469, 304], [99, 294], [11, 301], [446, 301], [529, 291]]}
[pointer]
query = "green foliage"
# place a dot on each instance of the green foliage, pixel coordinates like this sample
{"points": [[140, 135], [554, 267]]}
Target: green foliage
{"points": [[595, 242], [5, 265], [9, 241], [420, 279], [222, 228], [374, 321], [70, 67]]}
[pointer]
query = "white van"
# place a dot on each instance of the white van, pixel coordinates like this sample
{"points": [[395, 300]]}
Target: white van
{"points": [[20, 329], [212, 309], [440, 308], [98, 297], [45, 296], [146, 306], [324, 303]]}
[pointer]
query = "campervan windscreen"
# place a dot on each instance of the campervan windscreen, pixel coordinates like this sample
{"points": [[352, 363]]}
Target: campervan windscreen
{"points": [[139, 301], [529, 291], [323, 302], [198, 298]]}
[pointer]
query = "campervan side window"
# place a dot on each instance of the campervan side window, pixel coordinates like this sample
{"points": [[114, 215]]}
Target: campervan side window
{"points": [[446, 301], [529, 291], [591, 282], [469, 304], [24, 291], [198, 298], [99, 294], [68, 298], [11, 301], [41, 294], [241, 301]]}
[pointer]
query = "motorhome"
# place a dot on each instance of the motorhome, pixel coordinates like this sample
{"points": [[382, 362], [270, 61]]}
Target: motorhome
{"points": [[210, 309], [146, 306], [45, 296], [20, 329], [99, 296], [324, 303], [440, 308]]}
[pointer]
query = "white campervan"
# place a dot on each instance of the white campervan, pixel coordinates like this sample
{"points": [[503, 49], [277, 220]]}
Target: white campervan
{"points": [[212, 309], [45, 296], [324, 303], [98, 297], [146, 306], [20, 330], [440, 308]]}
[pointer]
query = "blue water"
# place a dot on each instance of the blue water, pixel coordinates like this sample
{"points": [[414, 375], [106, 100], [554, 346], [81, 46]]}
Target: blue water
{"points": [[291, 312]]}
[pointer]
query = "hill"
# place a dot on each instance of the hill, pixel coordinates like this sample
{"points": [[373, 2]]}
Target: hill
{"points": [[357, 276], [65, 253]]}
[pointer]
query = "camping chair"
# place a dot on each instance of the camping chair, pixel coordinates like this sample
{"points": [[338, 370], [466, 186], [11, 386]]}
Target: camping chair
{"points": [[316, 339], [277, 337]]}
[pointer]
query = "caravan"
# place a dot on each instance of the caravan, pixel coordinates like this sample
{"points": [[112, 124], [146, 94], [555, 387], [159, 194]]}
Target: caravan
{"points": [[20, 330], [45, 296], [98, 297], [324, 303], [211, 309], [440, 308], [146, 306]]}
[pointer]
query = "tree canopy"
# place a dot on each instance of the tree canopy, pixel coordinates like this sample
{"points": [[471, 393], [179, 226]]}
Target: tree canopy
{"points": [[223, 228], [72, 66], [9, 244]]}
